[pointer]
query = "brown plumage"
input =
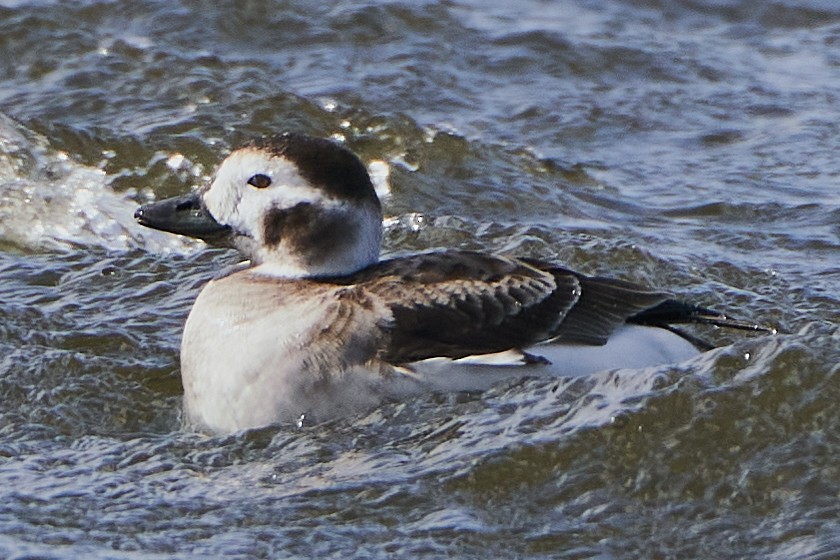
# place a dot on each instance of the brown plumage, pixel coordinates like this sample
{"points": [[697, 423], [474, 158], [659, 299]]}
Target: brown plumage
{"points": [[460, 303]]}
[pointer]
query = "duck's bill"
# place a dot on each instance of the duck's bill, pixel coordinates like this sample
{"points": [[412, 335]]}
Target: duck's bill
{"points": [[184, 215]]}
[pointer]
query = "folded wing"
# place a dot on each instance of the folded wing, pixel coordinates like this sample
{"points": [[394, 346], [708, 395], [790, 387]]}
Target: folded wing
{"points": [[459, 303]]}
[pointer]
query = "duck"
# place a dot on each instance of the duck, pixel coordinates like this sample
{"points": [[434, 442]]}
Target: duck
{"points": [[315, 325]]}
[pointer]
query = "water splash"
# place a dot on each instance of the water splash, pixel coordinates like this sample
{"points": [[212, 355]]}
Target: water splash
{"points": [[48, 201]]}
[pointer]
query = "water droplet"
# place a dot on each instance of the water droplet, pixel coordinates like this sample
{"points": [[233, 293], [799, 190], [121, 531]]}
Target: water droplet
{"points": [[174, 162], [416, 221]]}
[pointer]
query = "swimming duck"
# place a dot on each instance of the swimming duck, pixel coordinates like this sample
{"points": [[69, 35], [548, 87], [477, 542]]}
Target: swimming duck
{"points": [[316, 325]]}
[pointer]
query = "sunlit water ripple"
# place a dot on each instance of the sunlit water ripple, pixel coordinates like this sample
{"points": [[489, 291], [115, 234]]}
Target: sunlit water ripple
{"points": [[686, 145]]}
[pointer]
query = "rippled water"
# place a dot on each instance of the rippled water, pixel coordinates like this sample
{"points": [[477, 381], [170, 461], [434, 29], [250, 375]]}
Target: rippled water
{"points": [[689, 145]]}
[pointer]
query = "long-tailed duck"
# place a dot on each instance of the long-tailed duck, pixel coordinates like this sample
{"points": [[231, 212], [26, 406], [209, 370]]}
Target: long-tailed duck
{"points": [[317, 325]]}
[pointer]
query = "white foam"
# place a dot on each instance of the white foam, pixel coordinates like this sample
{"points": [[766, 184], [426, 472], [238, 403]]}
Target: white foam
{"points": [[380, 174], [49, 201]]}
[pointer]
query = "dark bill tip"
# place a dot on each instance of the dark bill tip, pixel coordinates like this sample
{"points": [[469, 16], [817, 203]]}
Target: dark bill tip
{"points": [[184, 215]]}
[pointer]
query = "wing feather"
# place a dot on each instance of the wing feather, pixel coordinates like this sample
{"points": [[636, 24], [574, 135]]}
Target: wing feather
{"points": [[456, 304], [459, 303]]}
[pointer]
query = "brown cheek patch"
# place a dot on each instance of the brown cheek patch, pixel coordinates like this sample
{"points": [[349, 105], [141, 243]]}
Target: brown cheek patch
{"points": [[274, 223], [312, 232]]}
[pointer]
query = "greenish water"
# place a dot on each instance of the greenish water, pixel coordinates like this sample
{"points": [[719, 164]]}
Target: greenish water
{"points": [[686, 145]]}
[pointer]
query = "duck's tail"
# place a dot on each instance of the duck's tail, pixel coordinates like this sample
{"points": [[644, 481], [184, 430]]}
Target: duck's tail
{"points": [[673, 312]]}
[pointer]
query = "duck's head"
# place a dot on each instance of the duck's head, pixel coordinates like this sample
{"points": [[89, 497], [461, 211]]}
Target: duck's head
{"points": [[295, 205]]}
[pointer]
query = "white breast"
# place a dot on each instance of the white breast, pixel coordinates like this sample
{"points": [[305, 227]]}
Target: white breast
{"points": [[254, 354], [237, 366]]}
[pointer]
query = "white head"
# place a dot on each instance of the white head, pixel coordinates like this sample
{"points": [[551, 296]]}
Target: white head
{"points": [[296, 206]]}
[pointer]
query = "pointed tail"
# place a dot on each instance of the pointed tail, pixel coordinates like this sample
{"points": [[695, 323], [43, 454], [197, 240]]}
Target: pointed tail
{"points": [[673, 312]]}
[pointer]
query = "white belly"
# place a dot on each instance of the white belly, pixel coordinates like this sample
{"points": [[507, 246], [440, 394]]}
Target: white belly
{"points": [[631, 347]]}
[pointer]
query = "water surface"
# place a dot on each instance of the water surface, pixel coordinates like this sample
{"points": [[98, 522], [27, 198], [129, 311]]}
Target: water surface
{"points": [[689, 145]]}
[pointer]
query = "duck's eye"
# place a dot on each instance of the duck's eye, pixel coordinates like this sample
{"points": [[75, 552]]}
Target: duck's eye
{"points": [[260, 181]]}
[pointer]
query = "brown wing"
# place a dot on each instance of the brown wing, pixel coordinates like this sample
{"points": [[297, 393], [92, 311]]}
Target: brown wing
{"points": [[460, 303], [456, 304], [604, 305]]}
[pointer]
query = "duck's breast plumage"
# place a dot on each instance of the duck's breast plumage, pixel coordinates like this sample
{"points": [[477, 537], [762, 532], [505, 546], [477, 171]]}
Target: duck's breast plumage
{"points": [[259, 350]]}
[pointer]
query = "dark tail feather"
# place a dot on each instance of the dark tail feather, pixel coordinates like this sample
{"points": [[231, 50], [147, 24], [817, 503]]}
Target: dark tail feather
{"points": [[671, 312]]}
